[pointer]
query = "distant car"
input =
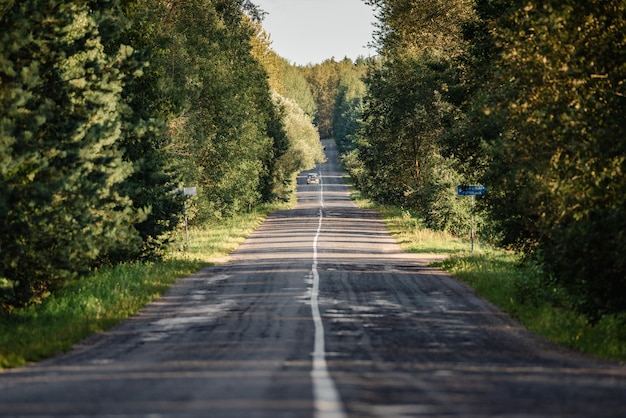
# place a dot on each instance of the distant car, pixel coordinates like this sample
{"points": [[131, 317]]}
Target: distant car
{"points": [[313, 178]]}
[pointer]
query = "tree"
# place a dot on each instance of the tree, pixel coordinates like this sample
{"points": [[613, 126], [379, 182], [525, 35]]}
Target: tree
{"points": [[413, 101], [109, 105], [323, 79], [349, 103], [557, 168], [61, 198], [302, 146], [297, 88], [305, 149], [145, 140], [217, 104]]}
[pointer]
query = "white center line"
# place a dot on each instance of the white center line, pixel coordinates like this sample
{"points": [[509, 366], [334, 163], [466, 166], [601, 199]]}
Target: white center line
{"points": [[325, 396]]}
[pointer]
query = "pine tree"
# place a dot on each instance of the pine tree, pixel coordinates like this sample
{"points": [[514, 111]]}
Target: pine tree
{"points": [[60, 123]]}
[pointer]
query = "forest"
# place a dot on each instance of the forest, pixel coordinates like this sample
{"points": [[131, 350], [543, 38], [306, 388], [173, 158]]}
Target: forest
{"points": [[109, 107], [524, 97]]}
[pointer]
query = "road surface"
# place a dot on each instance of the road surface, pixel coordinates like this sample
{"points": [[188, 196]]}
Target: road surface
{"points": [[318, 314]]}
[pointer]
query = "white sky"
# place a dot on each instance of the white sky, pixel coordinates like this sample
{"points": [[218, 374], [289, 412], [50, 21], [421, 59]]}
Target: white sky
{"points": [[311, 31]]}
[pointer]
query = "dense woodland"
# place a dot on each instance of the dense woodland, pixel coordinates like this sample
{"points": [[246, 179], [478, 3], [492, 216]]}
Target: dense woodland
{"points": [[525, 97], [110, 106]]}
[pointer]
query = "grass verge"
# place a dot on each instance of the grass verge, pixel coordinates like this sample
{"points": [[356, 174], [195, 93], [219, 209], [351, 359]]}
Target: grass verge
{"points": [[521, 290], [109, 295], [92, 304], [216, 240], [525, 293]]}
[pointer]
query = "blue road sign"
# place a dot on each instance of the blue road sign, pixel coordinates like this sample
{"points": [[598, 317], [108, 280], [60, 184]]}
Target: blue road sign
{"points": [[471, 190]]}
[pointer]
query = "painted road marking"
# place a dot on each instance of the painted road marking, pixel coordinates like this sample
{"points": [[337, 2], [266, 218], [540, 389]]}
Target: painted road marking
{"points": [[325, 396]]}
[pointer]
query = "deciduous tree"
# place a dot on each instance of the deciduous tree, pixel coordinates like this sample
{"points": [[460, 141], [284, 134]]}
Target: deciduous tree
{"points": [[558, 166]]}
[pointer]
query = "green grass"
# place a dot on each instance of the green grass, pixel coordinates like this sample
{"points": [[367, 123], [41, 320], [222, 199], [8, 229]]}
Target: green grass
{"points": [[218, 239], [109, 295], [90, 305], [410, 231], [414, 237]]}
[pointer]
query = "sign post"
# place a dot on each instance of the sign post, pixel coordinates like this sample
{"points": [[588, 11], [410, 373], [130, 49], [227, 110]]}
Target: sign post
{"points": [[186, 191], [472, 191]]}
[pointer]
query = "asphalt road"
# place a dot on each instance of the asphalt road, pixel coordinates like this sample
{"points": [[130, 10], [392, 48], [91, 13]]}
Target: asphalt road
{"points": [[318, 314]]}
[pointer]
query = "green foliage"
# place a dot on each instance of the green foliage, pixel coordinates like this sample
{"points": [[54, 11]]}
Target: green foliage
{"points": [[107, 107], [284, 78], [412, 103], [305, 149], [324, 82], [558, 166], [337, 90], [526, 97], [274, 65], [293, 119], [298, 89], [399, 141], [62, 116], [225, 130], [348, 107], [145, 141]]}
